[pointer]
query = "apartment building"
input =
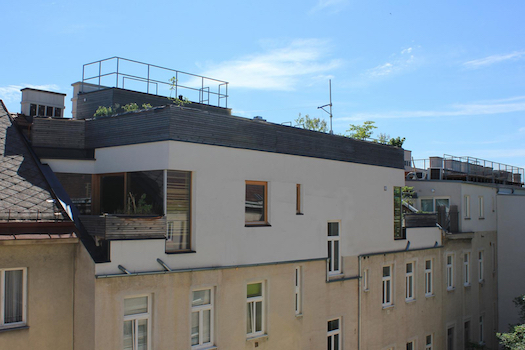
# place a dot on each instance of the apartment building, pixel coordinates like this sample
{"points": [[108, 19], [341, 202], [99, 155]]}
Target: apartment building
{"points": [[204, 230], [38, 245]]}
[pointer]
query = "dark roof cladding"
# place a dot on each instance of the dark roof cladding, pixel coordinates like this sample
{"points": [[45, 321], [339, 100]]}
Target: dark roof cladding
{"points": [[24, 192]]}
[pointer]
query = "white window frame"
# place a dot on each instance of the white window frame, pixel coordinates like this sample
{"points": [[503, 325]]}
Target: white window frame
{"points": [[481, 207], [450, 271], [481, 277], [331, 249], [298, 291], [466, 269], [434, 206], [136, 318], [413, 343], [410, 291], [388, 286], [429, 283], [365, 280], [429, 345], [253, 301], [200, 309], [331, 334], [3, 296], [467, 206], [481, 338]]}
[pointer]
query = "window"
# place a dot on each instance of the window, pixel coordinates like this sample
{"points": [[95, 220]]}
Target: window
{"points": [[409, 279], [298, 290], [398, 214], [178, 210], [480, 266], [481, 207], [298, 207], [49, 111], [334, 334], [41, 110], [430, 205], [334, 256], [481, 339], [428, 278], [467, 207], [428, 342], [13, 294], [466, 333], [450, 338], [365, 280], [387, 286], [256, 204], [411, 345], [466, 269], [255, 309], [137, 323], [202, 318], [450, 271], [58, 112], [32, 109]]}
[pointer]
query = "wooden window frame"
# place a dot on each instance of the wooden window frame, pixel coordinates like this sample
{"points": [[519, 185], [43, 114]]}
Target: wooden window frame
{"points": [[264, 222]]}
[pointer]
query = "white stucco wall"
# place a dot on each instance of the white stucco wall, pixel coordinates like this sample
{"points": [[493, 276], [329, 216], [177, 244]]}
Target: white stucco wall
{"points": [[359, 196]]}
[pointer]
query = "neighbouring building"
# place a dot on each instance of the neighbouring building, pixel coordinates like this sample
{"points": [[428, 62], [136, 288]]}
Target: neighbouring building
{"points": [[203, 230]]}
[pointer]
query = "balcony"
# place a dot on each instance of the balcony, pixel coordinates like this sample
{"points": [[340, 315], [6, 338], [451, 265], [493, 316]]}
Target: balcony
{"points": [[117, 227]]}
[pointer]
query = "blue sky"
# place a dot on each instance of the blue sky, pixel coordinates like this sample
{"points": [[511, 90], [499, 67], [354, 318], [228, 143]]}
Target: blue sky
{"points": [[447, 75]]}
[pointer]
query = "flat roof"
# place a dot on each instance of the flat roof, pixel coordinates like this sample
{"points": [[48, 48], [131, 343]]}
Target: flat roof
{"points": [[49, 92]]}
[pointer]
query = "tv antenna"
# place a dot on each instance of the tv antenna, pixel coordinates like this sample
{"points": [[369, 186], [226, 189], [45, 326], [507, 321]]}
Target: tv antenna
{"points": [[330, 104]]}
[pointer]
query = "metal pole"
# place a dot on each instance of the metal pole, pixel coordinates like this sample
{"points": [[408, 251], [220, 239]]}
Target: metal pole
{"points": [[330, 85], [147, 89], [117, 71], [99, 73]]}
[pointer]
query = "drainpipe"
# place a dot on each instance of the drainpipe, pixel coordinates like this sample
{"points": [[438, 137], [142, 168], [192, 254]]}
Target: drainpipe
{"points": [[359, 284]]}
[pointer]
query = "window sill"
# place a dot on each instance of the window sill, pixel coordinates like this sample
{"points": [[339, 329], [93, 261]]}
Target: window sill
{"points": [[451, 289], [366, 290], [299, 214], [211, 347], [13, 328], [468, 285], [481, 282], [481, 218], [386, 307], [299, 315], [257, 337], [410, 301], [466, 218], [181, 252], [334, 276], [258, 225], [429, 295]]}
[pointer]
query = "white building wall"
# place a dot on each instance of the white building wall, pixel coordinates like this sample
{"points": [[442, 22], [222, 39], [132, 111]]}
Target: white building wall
{"points": [[359, 196]]}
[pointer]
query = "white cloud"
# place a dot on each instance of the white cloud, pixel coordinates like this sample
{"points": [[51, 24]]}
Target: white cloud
{"points": [[333, 5], [514, 104], [397, 65], [277, 68], [11, 93], [487, 61]]}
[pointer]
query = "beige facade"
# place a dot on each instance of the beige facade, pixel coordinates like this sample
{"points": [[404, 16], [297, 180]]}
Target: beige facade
{"points": [[49, 290]]}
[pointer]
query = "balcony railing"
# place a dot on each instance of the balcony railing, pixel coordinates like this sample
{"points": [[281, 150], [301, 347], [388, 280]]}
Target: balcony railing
{"points": [[152, 79], [112, 227]]}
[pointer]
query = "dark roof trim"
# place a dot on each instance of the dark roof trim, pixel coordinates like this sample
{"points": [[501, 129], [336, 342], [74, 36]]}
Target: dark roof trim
{"points": [[49, 92]]}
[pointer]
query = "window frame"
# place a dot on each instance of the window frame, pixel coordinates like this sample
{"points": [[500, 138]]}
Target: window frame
{"points": [[4, 325], [137, 317], [429, 346], [298, 291], [449, 271], [331, 249], [410, 287], [387, 283], [434, 206], [366, 280], [265, 221], [188, 175], [481, 272], [466, 207], [481, 204], [333, 333], [466, 269], [254, 300], [298, 200], [429, 283], [200, 309]]}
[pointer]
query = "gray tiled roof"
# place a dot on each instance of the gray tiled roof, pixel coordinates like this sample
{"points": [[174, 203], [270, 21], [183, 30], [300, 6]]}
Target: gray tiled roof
{"points": [[24, 192]]}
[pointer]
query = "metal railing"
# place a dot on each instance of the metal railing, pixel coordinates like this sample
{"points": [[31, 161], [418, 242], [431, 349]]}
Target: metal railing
{"points": [[115, 71], [473, 168]]}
